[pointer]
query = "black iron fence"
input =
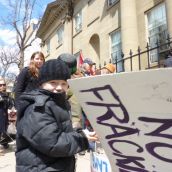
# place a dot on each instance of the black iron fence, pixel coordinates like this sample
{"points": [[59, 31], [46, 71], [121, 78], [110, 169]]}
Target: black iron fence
{"points": [[151, 57]]}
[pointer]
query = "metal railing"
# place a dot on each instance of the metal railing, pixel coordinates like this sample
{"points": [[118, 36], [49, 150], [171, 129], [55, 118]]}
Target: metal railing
{"points": [[141, 60]]}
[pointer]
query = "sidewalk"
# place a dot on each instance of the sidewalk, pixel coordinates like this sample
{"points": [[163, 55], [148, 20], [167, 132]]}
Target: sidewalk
{"points": [[83, 163], [7, 162]]}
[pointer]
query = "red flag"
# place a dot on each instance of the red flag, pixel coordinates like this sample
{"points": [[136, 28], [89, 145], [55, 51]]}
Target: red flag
{"points": [[80, 61]]}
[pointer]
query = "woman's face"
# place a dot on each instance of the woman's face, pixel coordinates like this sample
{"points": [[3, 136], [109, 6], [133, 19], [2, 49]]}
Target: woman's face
{"points": [[38, 60]]}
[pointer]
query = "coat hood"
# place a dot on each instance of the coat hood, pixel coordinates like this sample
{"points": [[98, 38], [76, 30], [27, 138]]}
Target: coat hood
{"points": [[26, 99], [38, 98]]}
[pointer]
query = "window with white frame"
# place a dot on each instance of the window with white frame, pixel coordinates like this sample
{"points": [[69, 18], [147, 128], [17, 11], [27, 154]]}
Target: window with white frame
{"points": [[78, 22], [48, 46], [157, 30], [116, 49], [111, 2], [60, 32]]}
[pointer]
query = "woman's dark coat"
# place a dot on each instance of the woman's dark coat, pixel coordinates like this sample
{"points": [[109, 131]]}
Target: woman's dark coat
{"points": [[45, 138], [25, 82]]}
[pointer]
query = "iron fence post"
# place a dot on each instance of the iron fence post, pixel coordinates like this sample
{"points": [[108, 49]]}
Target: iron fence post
{"points": [[147, 50], [157, 44], [122, 55], [100, 66], [116, 63], [131, 60], [169, 41], [139, 57]]}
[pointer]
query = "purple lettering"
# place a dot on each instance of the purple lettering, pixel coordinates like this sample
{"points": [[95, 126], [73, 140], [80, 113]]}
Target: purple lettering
{"points": [[128, 161], [122, 170], [165, 124], [111, 144], [151, 149], [109, 114], [124, 131]]}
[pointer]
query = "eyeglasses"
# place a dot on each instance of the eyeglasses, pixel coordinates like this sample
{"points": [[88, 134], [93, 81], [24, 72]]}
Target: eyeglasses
{"points": [[2, 85]]}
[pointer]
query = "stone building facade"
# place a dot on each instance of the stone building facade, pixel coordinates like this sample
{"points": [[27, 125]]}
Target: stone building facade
{"points": [[102, 28]]}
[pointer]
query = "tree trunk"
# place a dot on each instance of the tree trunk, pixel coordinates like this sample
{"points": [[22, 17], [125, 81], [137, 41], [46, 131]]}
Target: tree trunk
{"points": [[21, 63]]}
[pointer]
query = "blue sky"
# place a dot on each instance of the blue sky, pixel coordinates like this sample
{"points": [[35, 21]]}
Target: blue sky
{"points": [[7, 36]]}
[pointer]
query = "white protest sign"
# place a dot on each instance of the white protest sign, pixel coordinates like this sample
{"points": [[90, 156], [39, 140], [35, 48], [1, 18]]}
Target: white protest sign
{"points": [[99, 163], [132, 114]]}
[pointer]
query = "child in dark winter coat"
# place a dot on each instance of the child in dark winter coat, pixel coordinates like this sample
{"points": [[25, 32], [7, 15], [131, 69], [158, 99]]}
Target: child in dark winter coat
{"points": [[46, 140]]}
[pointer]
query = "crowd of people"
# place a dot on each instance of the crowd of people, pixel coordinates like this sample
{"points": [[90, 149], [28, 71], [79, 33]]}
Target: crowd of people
{"points": [[51, 126]]}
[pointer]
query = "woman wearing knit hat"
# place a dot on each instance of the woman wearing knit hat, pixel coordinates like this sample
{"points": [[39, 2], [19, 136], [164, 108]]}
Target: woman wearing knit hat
{"points": [[109, 68], [46, 140]]}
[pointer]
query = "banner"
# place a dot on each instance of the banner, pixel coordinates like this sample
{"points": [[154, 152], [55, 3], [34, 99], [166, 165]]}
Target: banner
{"points": [[132, 114], [80, 60]]}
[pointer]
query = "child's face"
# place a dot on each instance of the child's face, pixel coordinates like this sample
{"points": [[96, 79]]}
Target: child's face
{"points": [[55, 86]]}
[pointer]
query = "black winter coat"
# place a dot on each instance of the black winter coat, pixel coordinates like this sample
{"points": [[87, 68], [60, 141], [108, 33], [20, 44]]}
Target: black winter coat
{"points": [[25, 82], [46, 140], [5, 103]]}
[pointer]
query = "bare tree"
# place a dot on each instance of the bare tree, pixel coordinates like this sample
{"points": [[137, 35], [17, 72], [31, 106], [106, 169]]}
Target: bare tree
{"points": [[7, 59], [20, 18]]}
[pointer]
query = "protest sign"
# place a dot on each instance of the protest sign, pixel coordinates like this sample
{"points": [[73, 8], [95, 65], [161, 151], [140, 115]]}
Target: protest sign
{"points": [[132, 114], [99, 162]]}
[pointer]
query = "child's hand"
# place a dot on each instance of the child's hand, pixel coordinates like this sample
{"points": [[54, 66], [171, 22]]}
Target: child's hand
{"points": [[91, 136]]}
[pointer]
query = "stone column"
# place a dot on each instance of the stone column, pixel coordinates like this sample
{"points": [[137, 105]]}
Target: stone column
{"points": [[168, 4], [129, 32]]}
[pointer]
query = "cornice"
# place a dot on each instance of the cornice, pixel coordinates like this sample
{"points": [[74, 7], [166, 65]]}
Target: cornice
{"points": [[52, 12]]}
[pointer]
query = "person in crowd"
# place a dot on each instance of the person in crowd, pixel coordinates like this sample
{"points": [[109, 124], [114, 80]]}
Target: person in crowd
{"points": [[88, 67], [109, 68], [46, 140], [70, 60], [79, 118], [5, 103], [168, 61], [98, 72], [76, 109], [27, 79]]}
